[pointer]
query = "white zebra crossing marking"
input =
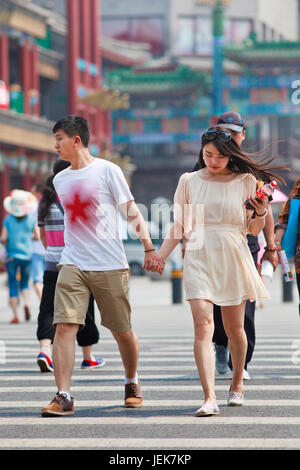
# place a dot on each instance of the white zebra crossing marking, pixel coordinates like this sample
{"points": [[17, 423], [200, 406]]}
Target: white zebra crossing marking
{"points": [[148, 443], [146, 388], [178, 361], [148, 403], [176, 420]]}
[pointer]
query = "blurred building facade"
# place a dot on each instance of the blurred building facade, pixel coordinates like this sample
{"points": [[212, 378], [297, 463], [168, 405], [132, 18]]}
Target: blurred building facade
{"points": [[50, 63], [182, 33]]}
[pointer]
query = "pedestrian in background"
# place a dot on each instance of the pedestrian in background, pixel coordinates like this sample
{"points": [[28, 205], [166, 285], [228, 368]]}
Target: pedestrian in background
{"points": [[218, 266], [37, 267], [233, 122], [19, 228], [51, 224], [282, 224]]}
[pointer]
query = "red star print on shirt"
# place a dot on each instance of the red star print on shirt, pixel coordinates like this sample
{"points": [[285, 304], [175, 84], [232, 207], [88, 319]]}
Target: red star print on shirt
{"points": [[78, 208]]}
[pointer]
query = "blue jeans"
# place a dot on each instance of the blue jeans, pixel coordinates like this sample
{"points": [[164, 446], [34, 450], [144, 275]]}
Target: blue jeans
{"points": [[37, 267], [12, 269]]}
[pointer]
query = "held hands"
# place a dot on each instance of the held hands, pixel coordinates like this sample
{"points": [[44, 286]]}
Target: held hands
{"points": [[154, 262], [158, 265]]}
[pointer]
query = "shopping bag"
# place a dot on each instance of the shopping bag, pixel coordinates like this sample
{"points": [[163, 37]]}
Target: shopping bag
{"points": [[289, 241]]}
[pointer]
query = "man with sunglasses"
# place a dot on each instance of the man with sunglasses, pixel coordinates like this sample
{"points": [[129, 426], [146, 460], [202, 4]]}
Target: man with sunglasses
{"points": [[234, 127]]}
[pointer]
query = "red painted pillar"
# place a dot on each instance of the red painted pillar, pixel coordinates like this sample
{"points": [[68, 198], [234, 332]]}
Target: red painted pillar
{"points": [[26, 180], [4, 58], [85, 41], [26, 74], [35, 79], [73, 54], [4, 188], [95, 48]]}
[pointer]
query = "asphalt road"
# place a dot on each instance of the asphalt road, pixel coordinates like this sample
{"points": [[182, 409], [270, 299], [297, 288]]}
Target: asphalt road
{"points": [[270, 418]]}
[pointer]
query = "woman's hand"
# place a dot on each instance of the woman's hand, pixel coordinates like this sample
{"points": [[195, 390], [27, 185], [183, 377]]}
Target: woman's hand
{"points": [[259, 207]]}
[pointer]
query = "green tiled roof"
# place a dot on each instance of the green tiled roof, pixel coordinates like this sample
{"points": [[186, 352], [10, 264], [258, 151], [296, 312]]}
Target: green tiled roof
{"points": [[275, 52], [152, 80]]}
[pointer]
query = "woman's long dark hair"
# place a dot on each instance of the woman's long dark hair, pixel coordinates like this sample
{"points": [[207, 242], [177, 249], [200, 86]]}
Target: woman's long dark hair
{"points": [[49, 193], [243, 162]]}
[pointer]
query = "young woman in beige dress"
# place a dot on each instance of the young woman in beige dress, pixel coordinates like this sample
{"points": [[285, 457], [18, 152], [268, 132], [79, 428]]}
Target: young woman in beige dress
{"points": [[218, 269]]}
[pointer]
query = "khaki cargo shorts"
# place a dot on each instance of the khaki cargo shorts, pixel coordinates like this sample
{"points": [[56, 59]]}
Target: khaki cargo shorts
{"points": [[109, 288]]}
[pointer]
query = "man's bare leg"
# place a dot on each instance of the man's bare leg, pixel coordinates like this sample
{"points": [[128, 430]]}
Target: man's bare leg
{"points": [[129, 349], [63, 354]]}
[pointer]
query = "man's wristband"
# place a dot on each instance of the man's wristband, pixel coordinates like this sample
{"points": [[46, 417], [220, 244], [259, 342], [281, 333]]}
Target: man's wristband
{"points": [[148, 251], [271, 249]]}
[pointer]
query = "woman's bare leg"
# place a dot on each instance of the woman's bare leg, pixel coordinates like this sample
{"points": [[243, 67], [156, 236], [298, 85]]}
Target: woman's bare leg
{"points": [[202, 311], [233, 321]]}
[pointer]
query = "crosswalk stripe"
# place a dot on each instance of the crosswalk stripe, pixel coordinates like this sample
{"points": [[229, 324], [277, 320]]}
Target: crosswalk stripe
{"points": [[150, 420], [148, 443], [148, 403], [162, 340], [191, 366], [49, 377], [163, 388], [26, 353], [170, 359]]}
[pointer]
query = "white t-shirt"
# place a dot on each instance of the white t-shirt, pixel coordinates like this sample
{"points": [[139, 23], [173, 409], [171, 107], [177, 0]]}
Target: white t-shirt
{"points": [[90, 198]]}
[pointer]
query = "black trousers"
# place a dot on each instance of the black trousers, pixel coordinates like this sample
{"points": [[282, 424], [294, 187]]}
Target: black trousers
{"points": [[85, 337], [298, 285], [220, 337]]}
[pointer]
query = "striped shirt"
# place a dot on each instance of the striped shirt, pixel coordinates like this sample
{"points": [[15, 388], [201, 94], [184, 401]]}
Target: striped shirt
{"points": [[54, 232]]}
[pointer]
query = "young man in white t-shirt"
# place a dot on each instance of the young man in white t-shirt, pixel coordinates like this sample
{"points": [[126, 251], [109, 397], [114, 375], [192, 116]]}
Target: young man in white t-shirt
{"points": [[91, 191]]}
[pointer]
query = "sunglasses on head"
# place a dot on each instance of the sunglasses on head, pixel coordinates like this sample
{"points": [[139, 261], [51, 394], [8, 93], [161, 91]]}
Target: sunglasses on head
{"points": [[212, 134]]}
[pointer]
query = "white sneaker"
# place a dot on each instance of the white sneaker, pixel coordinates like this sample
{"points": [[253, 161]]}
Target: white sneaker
{"points": [[235, 399], [246, 375], [208, 409]]}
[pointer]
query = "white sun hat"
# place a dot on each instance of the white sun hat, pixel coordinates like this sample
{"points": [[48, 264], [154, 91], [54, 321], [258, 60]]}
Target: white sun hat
{"points": [[20, 203]]}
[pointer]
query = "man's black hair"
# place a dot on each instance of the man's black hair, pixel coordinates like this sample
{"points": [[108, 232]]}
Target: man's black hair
{"points": [[72, 126]]}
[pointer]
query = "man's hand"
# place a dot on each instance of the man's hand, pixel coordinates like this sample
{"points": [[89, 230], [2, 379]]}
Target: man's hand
{"points": [[148, 262]]}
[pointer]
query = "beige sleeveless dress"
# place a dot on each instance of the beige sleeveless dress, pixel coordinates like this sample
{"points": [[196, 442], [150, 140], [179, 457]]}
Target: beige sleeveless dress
{"points": [[218, 265]]}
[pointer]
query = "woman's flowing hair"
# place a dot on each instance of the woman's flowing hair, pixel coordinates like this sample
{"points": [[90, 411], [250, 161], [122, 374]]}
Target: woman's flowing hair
{"points": [[49, 193], [242, 162]]}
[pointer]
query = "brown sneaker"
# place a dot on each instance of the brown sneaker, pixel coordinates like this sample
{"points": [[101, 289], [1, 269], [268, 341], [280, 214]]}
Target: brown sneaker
{"points": [[133, 395], [59, 406]]}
